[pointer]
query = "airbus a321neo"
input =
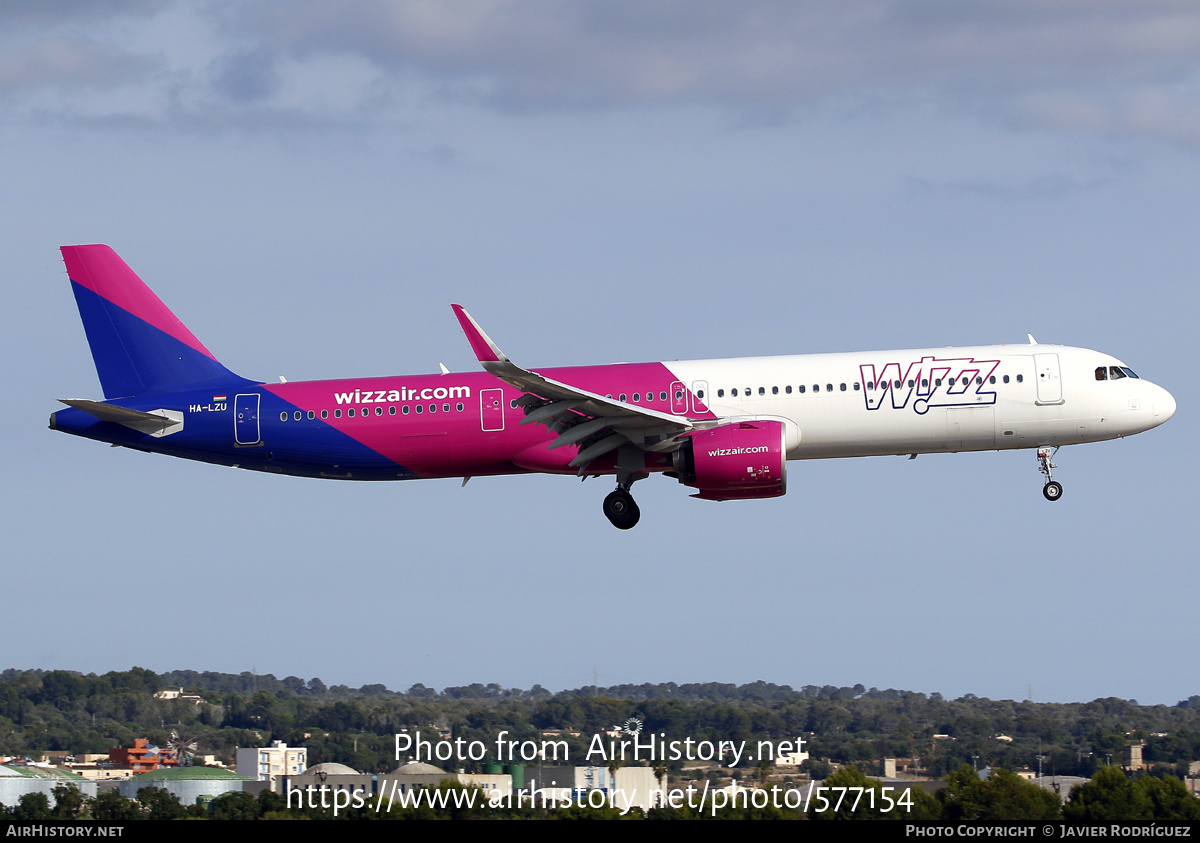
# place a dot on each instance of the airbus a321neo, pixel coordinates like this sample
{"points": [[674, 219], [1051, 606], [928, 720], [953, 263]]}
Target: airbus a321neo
{"points": [[726, 428]]}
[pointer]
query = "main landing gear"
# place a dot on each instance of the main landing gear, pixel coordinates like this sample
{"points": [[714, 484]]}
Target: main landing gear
{"points": [[1052, 491], [619, 507]]}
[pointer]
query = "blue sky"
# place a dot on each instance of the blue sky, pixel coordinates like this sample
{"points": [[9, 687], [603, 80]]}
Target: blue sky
{"points": [[309, 185]]}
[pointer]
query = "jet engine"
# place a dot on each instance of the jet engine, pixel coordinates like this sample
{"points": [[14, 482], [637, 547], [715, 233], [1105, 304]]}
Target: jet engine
{"points": [[737, 461]]}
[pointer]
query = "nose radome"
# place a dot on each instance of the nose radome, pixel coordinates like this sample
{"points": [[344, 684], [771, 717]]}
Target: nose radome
{"points": [[1164, 405]]}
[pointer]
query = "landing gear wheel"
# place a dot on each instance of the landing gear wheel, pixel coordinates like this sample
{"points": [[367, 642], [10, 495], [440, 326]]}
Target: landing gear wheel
{"points": [[621, 509], [1052, 491]]}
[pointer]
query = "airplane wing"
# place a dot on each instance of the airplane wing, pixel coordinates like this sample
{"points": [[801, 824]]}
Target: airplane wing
{"points": [[597, 423]]}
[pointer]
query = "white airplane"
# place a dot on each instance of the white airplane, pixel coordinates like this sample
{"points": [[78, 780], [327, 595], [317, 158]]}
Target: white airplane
{"points": [[723, 427]]}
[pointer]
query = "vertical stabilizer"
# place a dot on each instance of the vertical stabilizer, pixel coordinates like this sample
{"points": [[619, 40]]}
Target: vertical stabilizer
{"points": [[137, 343]]}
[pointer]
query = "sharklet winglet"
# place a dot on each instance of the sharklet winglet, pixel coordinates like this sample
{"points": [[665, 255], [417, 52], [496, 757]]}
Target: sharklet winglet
{"points": [[485, 350]]}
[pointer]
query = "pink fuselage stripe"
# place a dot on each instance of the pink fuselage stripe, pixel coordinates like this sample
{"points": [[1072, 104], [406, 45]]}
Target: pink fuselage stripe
{"points": [[99, 269], [450, 444]]}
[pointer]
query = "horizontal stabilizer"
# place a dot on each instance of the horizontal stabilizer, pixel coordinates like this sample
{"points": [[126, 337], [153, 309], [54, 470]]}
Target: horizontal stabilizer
{"points": [[157, 423]]}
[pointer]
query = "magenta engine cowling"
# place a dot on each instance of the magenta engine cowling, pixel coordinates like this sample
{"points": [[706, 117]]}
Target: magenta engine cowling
{"points": [[739, 461]]}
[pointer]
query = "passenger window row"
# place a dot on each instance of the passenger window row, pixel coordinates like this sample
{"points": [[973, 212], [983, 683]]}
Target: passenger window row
{"points": [[871, 386], [298, 415], [638, 397]]}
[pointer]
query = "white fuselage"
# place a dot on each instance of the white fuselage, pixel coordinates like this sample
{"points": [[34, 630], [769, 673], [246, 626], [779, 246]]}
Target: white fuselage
{"points": [[931, 400]]}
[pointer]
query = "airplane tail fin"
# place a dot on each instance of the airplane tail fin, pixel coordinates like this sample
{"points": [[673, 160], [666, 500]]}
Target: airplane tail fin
{"points": [[137, 343]]}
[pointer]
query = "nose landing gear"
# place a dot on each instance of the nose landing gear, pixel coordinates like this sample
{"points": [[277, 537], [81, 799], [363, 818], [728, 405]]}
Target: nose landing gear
{"points": [[1052, 491]]}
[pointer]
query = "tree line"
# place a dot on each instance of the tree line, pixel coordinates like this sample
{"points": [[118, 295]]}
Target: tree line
{"points": [[71, 712]]}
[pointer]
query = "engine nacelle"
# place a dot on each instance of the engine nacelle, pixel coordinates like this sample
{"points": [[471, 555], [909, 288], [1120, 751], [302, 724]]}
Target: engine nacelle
{"points": [[737, 461]]}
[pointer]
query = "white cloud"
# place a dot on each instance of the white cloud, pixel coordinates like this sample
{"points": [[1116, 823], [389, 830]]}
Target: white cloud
{"points": [[1106, 67], [62, 63]]}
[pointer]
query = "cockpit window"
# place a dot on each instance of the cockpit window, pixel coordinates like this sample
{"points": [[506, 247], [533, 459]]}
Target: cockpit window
{"points": [[1129, 372], [1101, 373], [1115, 372]]}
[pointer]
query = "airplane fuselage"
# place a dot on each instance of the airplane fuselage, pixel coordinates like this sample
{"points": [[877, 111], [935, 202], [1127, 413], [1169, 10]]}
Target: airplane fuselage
{"points": [[833, 405]]}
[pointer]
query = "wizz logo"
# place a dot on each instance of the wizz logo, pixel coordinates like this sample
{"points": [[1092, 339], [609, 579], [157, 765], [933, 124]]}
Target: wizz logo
{"points": [[929, 382]]}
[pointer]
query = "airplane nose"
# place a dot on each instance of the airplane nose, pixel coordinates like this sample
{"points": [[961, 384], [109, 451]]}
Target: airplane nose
{"points": [[1164, 406]]}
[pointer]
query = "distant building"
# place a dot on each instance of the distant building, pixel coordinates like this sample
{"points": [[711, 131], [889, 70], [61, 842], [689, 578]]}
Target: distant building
{"points": [[1132, 757], [405, 779], [187, 783], [901, 767], [561, 733], [142, 756], [333, 776], [179, 695], [790, 760], [271, 763], [416, 775], [96, 773], [636, 787], [18, 780]]}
